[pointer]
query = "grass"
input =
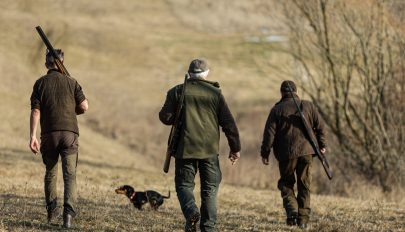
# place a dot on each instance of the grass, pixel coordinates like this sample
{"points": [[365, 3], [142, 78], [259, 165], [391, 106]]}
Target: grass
{"points": [[100, 209], [126, 54]]}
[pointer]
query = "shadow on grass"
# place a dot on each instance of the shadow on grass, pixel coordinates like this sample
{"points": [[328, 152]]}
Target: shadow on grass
{"points": [[15, 155], [12, 155], [102, 165], [25, 224], [9, 155], [18, 200]]}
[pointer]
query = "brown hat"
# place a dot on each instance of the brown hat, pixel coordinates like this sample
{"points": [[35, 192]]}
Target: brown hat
{"points": [[286, 85], [198, 66]]}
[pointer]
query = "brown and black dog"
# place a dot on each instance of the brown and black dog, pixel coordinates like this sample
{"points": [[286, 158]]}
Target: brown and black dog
{"points": [[154, 198]]}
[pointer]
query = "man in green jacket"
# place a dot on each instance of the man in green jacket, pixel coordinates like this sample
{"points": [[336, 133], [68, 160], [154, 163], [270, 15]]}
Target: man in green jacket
{"points": [[285, 133], [204, 111], [55, 101]]}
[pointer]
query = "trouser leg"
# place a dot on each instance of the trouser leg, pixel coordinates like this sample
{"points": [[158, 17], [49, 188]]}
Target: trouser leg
{"points": [[210, 175], [286, 186], [184, 180], [50, 156], [69, 179], [303, 186], [50, 179]]}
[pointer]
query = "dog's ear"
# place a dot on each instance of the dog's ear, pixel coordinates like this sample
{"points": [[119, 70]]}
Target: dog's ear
{"points": [[129, 188]]}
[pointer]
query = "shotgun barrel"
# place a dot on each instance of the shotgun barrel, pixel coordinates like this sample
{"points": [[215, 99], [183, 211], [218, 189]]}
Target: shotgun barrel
{"points": [[50, 48]]}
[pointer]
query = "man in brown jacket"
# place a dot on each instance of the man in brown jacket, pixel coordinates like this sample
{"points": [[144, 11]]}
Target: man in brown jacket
{"points": [[55, 101], [285, 133]]}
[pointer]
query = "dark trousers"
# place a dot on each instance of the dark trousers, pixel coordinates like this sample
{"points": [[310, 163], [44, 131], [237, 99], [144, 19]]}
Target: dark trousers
{"points": [[300, 166], [64, 144], [210, 176]]}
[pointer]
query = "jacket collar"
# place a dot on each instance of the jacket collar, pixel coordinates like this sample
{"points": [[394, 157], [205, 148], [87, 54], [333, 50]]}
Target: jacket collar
{"points": [[53, 70], [289, 97], [216, 84]]}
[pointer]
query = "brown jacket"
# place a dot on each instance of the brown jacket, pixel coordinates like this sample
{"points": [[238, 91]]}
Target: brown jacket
{"points": [[285, 132]]}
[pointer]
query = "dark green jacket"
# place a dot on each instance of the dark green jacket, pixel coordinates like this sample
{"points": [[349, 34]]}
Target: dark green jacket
{"points": [[204, 111], [285, 132], [56, 96]]}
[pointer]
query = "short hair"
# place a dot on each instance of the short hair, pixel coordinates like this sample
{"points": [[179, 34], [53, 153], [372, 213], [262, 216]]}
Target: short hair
{"points": [[288, 86], [50, 60]]}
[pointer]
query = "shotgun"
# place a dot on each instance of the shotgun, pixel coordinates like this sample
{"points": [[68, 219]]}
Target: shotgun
{"points": [[312, 138], [50, 48], [176, 129]]}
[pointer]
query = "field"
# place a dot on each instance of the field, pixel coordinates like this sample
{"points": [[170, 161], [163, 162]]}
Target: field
{"points": [[100, 209], [126, 55]]}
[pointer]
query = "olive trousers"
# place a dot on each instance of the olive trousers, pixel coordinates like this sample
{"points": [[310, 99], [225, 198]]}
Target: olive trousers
{"points": [[210, 178], [64, 144], [300, 204]]}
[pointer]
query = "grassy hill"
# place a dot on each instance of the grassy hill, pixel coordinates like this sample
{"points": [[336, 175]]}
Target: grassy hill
{"points": [[126, 54]]}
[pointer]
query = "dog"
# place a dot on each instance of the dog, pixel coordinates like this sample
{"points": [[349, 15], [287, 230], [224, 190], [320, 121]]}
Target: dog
{"points": [[138, 199]]}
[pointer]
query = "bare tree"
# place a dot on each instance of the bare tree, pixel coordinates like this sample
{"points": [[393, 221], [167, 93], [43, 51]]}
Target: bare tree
{"points": [[349, 58]]}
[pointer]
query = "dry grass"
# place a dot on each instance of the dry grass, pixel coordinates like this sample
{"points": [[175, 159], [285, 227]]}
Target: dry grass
{"points": [[100, 209], [126, 54]]}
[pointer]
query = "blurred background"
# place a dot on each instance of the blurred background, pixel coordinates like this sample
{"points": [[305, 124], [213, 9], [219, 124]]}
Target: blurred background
{"points": [[346, 56]]}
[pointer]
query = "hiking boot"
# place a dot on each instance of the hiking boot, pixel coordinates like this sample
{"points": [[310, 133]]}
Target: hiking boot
{"points": [[67, 220], [292, 219], [303, 223], [191, 223], [52, 215], [303, 226], [52, 211]]}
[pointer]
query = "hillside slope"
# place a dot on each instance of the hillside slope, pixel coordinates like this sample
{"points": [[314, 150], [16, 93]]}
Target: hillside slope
{"points": [[127, 54]]}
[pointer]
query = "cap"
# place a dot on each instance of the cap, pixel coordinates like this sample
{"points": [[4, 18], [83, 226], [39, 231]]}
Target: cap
{"points": [[198, 66]]}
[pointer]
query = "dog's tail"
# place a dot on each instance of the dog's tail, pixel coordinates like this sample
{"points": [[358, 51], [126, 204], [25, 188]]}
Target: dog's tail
{"points": [[168, 196]]}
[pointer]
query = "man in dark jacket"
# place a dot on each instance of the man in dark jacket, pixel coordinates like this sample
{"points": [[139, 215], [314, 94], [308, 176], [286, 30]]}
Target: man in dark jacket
{"points": [[285, 133], [204, 111], [55, 101]]}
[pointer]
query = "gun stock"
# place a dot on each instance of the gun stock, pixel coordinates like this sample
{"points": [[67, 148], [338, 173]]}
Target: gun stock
{"points": [[166, 165], [325, 165], [175, 131]]}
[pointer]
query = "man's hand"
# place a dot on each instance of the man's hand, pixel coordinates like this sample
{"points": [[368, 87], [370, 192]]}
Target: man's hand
{"points": [[265, 161], [323, 150], [34, 119], [233, 157], [34, 145], [82, 107]]}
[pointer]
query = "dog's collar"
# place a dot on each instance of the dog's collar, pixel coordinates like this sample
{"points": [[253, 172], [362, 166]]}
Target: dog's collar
{"points": [[132, 196]]}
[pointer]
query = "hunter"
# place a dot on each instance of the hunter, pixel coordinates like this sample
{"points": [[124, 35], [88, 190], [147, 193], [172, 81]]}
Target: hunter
{"points": [[285, 133], [55, 101], [204, 111]]}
